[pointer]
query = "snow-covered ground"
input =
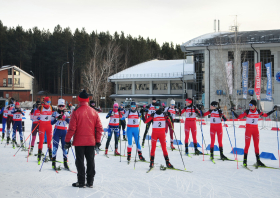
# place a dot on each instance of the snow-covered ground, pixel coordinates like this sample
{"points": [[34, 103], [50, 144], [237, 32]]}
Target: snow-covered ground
{"points": [[20, 178]]}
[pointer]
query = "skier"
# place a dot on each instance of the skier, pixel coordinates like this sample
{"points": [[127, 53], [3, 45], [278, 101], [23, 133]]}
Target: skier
{"points": [[122, 122], [92, 105], [190, 124], [60, 118], [252, 129], [216, 128], [159, 119], [4, 110], [113, 128], [10, 107], [17, 122], [133, 116], [151, 109], [45, 126], [34, 114], [169, 125]]}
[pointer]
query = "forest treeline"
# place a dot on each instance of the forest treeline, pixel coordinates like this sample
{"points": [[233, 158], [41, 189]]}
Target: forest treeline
{"points": [[44, 52]]}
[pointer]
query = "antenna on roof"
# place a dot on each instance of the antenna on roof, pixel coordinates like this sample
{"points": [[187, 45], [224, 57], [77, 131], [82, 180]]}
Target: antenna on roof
{"points": [[215, 25], [235, 27], [218, 25]]}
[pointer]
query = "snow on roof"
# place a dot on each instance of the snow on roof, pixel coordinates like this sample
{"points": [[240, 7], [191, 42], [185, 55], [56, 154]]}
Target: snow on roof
{"points": [[156, 69]]}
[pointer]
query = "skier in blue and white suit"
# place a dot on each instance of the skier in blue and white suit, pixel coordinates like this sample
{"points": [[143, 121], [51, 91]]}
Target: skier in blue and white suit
{"points": [[133, 117], [60, 118]]}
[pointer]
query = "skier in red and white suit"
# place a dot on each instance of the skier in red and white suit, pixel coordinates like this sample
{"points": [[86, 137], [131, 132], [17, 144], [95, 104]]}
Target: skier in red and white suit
{"points": [[159, 119], [170, 125], [216, 128], [45, 126], [252, 129], [190, 124]]}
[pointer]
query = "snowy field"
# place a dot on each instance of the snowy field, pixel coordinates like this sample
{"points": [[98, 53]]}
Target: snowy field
{"points": [[20, 178]]}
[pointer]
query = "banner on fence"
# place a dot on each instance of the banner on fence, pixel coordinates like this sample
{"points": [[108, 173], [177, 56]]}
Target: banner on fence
{"points": [[269, 81], [245, 68], [258, 80]]}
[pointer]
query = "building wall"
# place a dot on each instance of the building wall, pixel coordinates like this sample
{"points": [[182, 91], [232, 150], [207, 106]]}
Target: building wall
{"points": [[21, 96], [3, 75]]}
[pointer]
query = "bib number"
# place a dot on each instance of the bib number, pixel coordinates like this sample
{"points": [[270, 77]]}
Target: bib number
{"points": [[159, 124], [214, 120], [134, 121], [253, 121]]}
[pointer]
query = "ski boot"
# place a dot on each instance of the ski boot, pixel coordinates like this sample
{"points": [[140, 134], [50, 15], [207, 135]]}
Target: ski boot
{"points": [[31, 150], [14, 143], [186, 149], [212, 154], [3, 135], [77, 184], [53, 163], [168, 165], [152, 162], [50, 156], [39, 156], [124, 138], [245, 160], [141, 156], [65, 163], [223, 157], [196, 151], [128, 156], [259, 163], [143, 143], [116, 152], [106, 152], [171, 146], [8, 140]]}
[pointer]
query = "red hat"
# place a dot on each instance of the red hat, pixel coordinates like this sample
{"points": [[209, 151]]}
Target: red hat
{"points": [[83, 96], [17, 103], [46, 99], [189, 100]]}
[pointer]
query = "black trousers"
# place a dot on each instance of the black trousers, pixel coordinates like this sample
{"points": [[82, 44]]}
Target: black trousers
{"points": [[146, 130], [89, 153], [122, 125]]}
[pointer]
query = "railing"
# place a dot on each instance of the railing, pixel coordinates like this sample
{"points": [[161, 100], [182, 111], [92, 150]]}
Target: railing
{"points": [[151, 75], [15, 85]]}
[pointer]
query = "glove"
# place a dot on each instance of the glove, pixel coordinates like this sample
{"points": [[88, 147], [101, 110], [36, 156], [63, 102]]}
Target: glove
{"points": [[67, 145], [59, 117], [97, 145], [232, 109], [38, 118], [64, 117], [275, 108]]}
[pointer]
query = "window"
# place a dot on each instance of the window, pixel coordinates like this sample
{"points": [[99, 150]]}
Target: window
{"points": [[199, 84], [142, 86], [17, 81], [176, 86], [160, 86], [16, 72], [190, 86], [124, 87], [10, 71], [10, 81]]}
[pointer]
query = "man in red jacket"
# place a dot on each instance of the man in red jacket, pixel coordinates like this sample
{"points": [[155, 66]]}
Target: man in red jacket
{"points": [[86, 127]]}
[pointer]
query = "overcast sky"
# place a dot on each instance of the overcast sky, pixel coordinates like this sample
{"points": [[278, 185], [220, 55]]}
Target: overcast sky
{"points": [[166, 20]]}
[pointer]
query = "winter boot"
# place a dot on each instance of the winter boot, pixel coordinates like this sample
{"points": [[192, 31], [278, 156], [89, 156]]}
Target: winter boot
{"points": [[65, 163], [152, 161], [245, 160], [124, 138], [140, 156], [116, 152], [186, 149], [223, 157], [39, 156], [211, 153], [259, 163], [53, 163], [171, 146], [106, 151], [77, 184], [168, 165], [128, 156], [31, 150], [196, 151]]}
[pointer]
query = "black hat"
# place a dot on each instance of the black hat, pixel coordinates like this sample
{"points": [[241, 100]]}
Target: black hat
{"points": [[253, 102], [154, 98], [157, 104], [92, 101], [38, 102], [214, 104], [83, 96]]}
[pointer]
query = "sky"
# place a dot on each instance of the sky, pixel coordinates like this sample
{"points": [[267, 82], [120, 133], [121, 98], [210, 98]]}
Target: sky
{"points": [[176, 21]]}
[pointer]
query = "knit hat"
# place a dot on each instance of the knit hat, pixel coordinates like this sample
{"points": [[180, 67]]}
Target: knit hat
{"points": [[253, 102], [116, 105], [172, 102], [154, 98], [133, 103], [46, 99], [17, 103], [214, 104], [189, 100], [83, 96]]}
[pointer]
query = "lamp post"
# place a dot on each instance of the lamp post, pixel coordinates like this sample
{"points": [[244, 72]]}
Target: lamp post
{"points": [[32, 85], [61, 78]]}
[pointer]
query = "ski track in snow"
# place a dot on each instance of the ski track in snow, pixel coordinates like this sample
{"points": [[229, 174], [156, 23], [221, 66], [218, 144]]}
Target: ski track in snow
{"points": [[20, 178]]}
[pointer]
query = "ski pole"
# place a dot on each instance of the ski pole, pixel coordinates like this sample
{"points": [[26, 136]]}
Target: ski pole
{"points": [[30, 141], [177, 143], [277, 136], [234, 137], [120, 137], [230, 141], [202, 134], [21, 146], [44, 160], [149, 139], [137, 141]]}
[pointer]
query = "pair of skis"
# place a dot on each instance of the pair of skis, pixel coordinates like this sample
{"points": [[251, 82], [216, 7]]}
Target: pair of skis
{"points": [[163, 168]]}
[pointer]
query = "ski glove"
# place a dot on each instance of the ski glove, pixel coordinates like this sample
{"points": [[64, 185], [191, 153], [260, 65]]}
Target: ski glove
{"points": [[59, 117], [97, 145], [275, 108], [38, 118], [67, 145]]}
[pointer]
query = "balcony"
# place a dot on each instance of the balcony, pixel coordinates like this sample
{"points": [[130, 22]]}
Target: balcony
{"points": [[21, 85]]}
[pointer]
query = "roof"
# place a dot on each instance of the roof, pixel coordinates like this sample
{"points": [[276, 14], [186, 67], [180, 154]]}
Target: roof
{"points": [[226, 38], [156, 69], [15, 67]]}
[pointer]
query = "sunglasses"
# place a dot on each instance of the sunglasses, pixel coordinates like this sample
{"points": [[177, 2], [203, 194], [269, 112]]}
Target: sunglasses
{"points": [[92, 103], [48, 102], [133, 105], [61, 105], [116, 107], [251, 105], [173, 105], [157, 107]]}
